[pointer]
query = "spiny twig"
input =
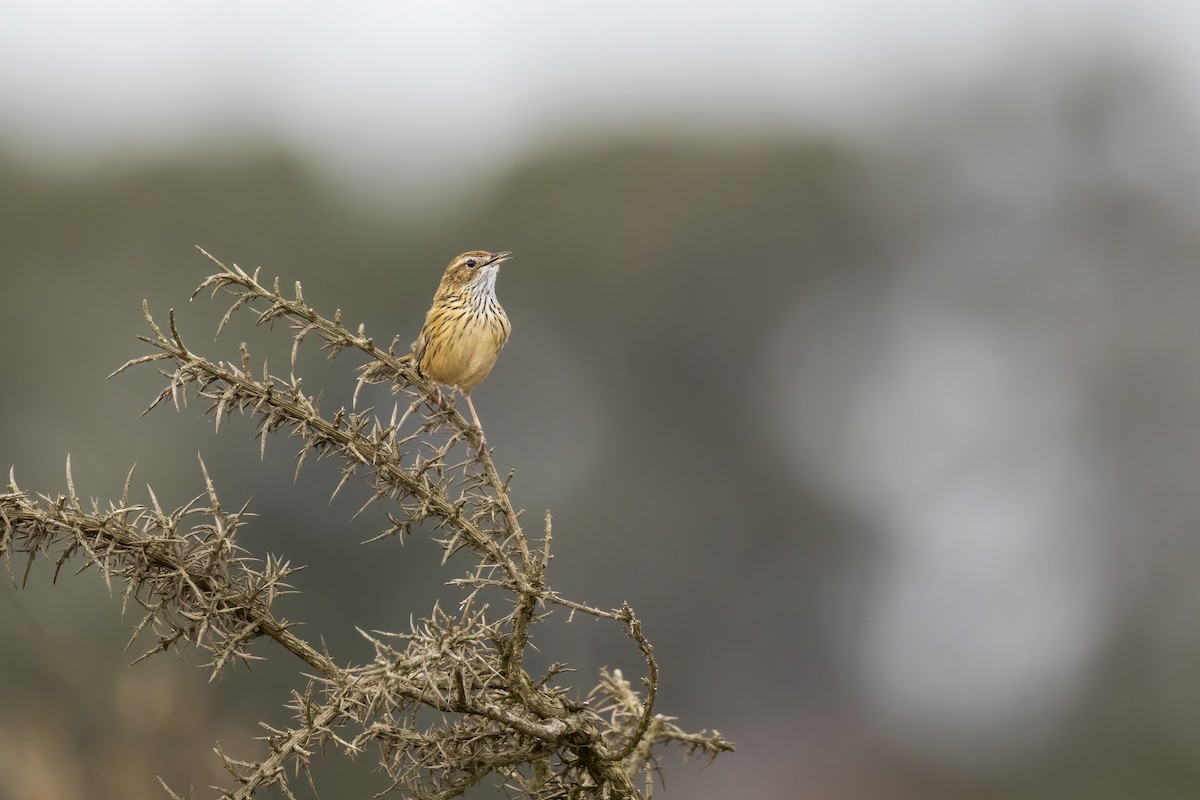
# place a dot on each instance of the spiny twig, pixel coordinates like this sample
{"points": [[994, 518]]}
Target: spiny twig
{"points": [[195, 584]]}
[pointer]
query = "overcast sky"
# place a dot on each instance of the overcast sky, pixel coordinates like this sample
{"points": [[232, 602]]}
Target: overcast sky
{"points": [[447, 90], [410, 95]]}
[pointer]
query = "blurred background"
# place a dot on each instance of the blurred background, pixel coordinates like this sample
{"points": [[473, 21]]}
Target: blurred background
{"points": [[856, 347]]}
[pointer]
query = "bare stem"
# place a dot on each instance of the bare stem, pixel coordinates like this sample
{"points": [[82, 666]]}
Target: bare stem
{"points": [[193, 583]]}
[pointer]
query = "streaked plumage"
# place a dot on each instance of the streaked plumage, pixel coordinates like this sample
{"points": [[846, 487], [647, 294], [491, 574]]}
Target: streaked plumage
{"points": [[465, 327]]}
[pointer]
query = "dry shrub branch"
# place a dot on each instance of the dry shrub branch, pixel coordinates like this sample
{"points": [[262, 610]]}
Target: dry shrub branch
{"points": [[445, 705]]}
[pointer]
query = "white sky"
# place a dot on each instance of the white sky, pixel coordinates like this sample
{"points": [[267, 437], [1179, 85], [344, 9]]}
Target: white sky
{"points": [[447, 90], [413, 94]]}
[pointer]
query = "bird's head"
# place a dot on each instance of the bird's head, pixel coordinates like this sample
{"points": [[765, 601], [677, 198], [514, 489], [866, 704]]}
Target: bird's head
{"points": [[474, 268]]}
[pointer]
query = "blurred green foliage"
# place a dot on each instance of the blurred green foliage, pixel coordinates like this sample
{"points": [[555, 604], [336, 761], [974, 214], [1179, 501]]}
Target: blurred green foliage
{"points": [[650, 295]]}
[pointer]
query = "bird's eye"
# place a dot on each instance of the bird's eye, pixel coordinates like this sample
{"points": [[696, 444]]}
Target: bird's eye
{"points": [[472, 262]]}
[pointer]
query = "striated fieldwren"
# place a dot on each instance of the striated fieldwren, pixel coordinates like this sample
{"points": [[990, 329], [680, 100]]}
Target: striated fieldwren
{"points": [[465, 327]]}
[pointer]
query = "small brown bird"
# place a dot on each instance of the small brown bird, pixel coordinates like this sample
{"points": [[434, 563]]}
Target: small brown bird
{"points": [[465, 327]]}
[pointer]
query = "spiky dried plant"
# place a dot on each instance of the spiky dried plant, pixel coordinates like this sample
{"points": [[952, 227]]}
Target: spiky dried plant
{"points": [[446, 705]]}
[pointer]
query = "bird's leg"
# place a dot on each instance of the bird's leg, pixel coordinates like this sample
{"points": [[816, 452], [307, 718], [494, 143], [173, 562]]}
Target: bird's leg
{"points": [[475, 417]]}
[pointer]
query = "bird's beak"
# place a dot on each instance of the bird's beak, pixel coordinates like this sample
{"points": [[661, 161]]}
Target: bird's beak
{"points": [[498, 258]]}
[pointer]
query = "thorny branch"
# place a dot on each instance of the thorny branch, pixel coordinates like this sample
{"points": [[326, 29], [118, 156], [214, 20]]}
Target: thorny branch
{"points": [[194, 583]]}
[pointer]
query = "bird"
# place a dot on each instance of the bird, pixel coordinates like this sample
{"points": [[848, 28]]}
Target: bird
{"points": [[464, 329]]}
